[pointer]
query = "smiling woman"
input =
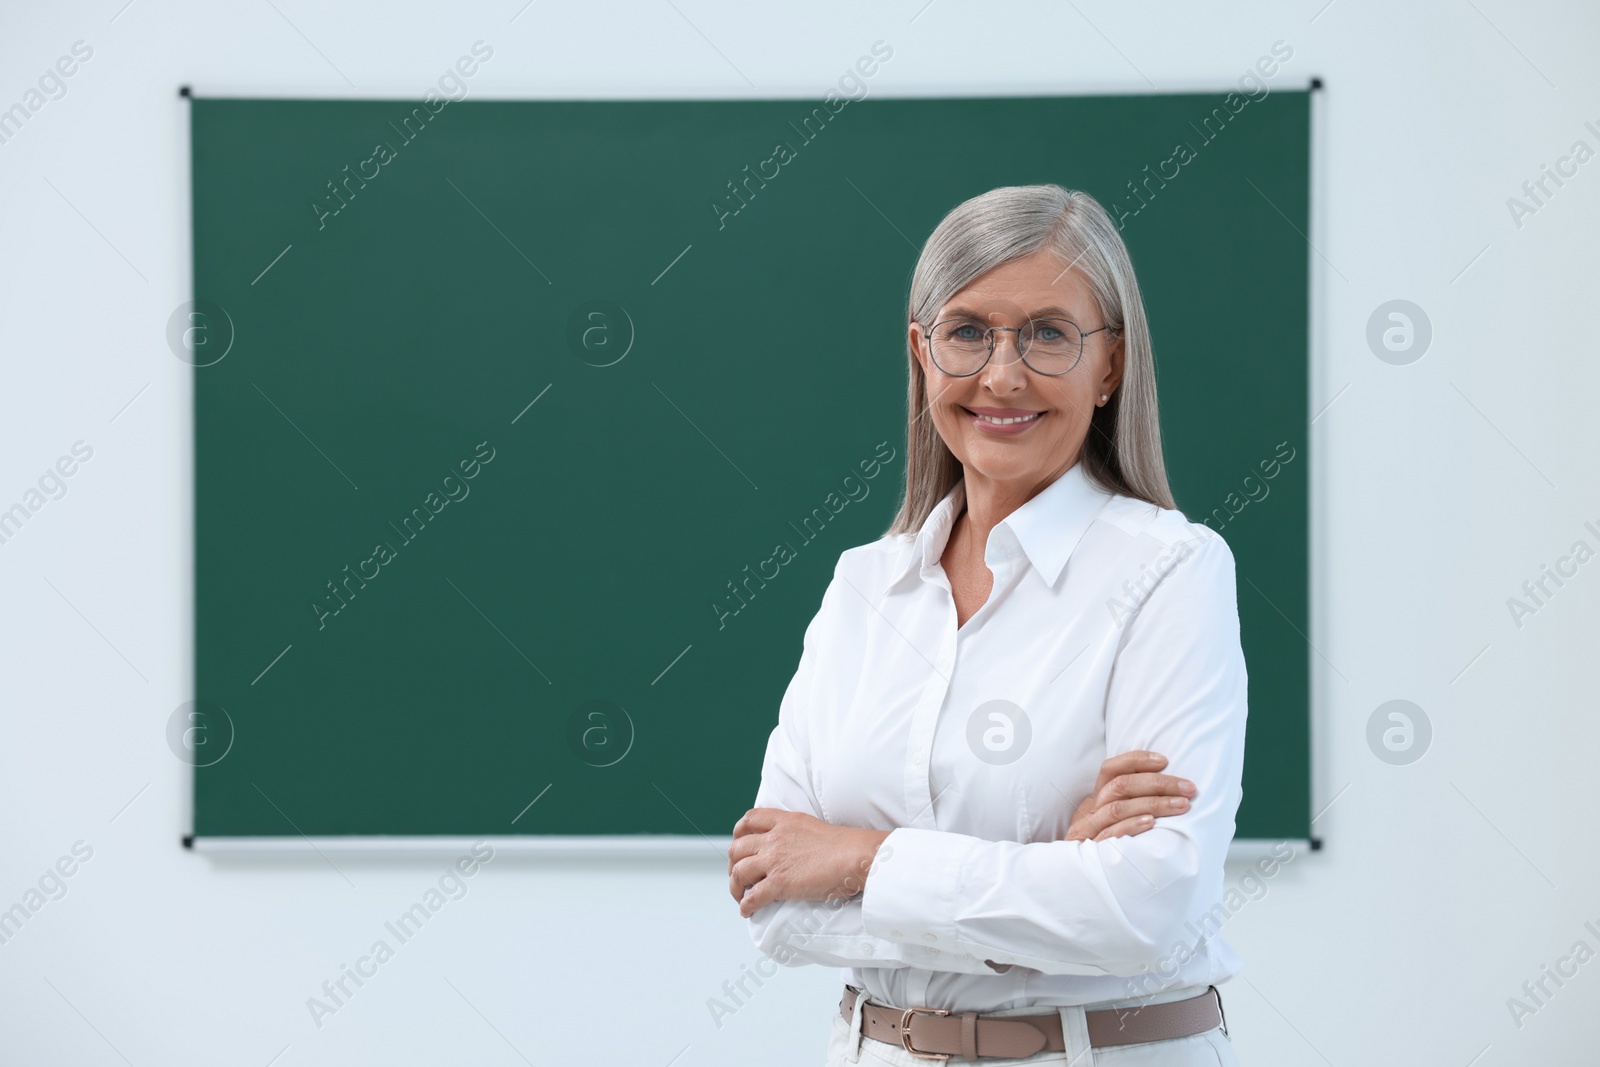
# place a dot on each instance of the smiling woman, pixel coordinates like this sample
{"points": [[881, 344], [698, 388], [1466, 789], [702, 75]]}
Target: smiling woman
{"points": [[972, 727]]}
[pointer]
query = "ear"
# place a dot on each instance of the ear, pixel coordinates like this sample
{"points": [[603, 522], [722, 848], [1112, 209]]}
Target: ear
{"points": [[1114, 364], [919, 344]]}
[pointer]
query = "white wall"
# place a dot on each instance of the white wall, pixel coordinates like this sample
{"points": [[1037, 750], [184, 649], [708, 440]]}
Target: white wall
{"points": [[1440, 487]]}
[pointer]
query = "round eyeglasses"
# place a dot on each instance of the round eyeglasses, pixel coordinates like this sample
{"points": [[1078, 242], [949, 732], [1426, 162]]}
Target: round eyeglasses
{"points": [[961, 347]]}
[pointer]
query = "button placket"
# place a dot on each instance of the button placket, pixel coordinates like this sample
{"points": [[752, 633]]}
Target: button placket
{"points": [[919, 786], [920, 790], [924, 719], [935, 696], [917, 987]]}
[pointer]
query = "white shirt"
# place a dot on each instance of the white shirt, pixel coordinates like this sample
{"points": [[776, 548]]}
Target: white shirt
{"points": [[1112, 625]]}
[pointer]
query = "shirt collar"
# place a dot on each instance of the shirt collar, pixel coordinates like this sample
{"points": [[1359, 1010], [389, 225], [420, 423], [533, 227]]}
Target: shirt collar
{"points": [[1046, 529]]}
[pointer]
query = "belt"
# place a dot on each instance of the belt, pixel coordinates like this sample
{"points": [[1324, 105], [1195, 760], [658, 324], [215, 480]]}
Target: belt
{"points": [[937, 1033]]}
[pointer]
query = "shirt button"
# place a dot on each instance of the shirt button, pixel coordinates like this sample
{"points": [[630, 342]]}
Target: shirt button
{"points": [[866, 948], [916, 757]]}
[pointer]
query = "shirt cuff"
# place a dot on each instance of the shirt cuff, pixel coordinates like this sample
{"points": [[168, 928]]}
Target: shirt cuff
{"points": [[912, 889]]}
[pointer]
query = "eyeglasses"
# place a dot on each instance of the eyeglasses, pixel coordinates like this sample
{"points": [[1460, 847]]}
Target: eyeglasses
{"points": [[961, 347]]}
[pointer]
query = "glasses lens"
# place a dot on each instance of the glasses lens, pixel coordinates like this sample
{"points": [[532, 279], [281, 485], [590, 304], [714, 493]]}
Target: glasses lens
{"points": [[959, 346], [1051, 346]]}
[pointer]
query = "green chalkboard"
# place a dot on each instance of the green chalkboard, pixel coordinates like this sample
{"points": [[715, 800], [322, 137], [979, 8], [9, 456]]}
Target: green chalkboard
{"points": [[495, 404]]}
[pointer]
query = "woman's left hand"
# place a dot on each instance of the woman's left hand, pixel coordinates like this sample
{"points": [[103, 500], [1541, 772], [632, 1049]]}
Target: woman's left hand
{"points": [[789, 855]]}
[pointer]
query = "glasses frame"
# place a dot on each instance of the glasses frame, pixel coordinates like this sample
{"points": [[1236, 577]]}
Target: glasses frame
{"points": [[990, 331]]}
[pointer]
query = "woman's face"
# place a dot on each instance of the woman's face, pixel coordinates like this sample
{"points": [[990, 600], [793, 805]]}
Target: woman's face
{"points": [[1033, 453]]}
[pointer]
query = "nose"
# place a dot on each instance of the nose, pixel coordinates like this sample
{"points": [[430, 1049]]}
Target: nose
{"points": [[1005, 372]]}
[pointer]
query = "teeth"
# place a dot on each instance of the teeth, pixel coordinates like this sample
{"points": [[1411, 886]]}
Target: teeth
{"points": [[1007, 422]]}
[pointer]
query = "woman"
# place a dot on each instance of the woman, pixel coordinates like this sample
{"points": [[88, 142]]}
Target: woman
{"points": [[1037, 605]]}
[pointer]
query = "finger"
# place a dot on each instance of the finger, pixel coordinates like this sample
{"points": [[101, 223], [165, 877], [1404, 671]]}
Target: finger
{"points": [[1133, 762], [736, 887], [1117, 811], [1122, 810], [748, 845], [759, 896], [1127, 828], [1146, 784], [743, 826], [757, 820], [744, 873]]}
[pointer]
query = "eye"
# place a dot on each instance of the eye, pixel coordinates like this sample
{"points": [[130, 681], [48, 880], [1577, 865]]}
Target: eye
{"points": [[963, 331]]}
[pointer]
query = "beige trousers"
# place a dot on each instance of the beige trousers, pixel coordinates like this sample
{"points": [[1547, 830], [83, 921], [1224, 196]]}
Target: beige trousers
{"points": [[1211, 1049]]}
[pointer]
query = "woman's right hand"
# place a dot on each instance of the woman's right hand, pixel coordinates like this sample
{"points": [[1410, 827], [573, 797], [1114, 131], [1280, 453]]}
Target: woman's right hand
{"points": [[1128, 798]]}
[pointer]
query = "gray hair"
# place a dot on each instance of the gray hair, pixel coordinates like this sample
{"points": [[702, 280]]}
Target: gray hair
{"points": [[1122, 452]]}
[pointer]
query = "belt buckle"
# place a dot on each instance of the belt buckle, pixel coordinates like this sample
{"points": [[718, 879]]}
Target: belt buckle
{"points": [[905, 1032]]}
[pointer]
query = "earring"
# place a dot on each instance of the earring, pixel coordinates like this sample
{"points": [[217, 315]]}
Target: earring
{"points": [[1102, 398]]}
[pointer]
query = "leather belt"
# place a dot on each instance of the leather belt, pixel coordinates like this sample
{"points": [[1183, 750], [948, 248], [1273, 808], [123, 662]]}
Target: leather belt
{"points": [[936, 1033]]}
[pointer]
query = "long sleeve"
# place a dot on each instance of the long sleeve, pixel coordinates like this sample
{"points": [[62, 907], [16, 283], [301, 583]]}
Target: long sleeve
{"points": [[1178, 687], [798, 932]]}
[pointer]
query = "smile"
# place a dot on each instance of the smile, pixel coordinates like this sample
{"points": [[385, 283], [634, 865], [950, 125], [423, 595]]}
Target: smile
{"points": [[1011, 423]]}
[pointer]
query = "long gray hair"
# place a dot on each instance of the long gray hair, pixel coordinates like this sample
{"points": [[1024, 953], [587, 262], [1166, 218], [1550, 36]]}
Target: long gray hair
{"points": [[1122, 452]]}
